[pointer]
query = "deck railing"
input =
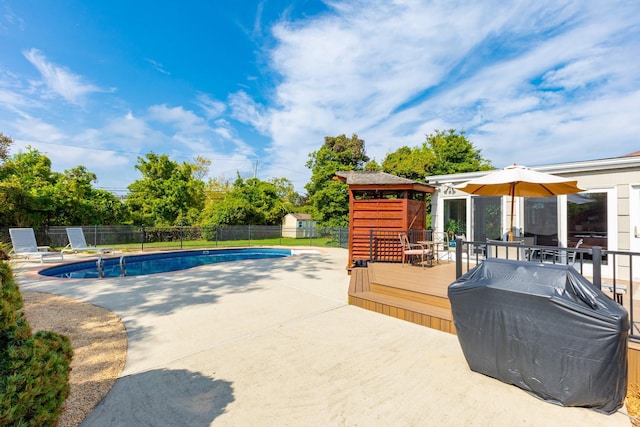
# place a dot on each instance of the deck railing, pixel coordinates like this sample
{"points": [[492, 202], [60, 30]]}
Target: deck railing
{"points": [[591, 262]]}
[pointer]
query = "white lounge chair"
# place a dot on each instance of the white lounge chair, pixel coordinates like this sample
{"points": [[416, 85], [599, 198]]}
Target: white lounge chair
{"points": [[77, 242], [25, 245]]}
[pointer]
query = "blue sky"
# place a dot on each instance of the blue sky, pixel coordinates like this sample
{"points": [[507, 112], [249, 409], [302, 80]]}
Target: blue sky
{"points": [[246, 83]]}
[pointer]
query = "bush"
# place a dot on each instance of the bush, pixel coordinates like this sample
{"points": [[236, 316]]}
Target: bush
{"points": [[34, 368]]}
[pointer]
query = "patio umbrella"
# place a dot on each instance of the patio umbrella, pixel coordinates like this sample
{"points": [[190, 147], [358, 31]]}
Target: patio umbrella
{"points": [[519, 181]]}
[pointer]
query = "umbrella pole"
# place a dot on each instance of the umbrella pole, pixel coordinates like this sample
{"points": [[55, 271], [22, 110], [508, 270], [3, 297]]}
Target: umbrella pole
{"points": [[513, 192]]}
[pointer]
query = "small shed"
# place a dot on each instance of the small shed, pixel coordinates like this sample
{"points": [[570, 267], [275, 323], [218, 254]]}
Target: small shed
{"points": [[298, 226], [382, 202]]}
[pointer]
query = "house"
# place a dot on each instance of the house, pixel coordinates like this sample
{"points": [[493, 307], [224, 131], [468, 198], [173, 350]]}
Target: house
{"points": [[606, 214], [298, 226]]}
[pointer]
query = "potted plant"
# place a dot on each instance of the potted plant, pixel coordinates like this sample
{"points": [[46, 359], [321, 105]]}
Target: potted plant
{"points": [[453, 228]]}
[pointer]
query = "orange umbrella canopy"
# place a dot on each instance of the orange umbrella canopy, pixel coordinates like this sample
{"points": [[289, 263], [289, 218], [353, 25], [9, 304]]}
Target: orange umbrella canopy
{"points": [[519, 181]]}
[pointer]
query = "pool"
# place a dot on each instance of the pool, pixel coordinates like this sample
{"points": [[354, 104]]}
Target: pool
{"points": [[141, 265]]}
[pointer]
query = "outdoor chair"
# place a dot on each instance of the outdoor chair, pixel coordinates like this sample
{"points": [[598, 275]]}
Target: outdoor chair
{"points": [[25, 245], [410, 250], [562, 255], [445, 246], [77, 242]]}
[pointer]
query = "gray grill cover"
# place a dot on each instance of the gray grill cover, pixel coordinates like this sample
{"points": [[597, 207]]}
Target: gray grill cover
{"points": [[544, 328]]}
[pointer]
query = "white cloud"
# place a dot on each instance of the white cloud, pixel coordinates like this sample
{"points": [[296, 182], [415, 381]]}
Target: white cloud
{"points": [[129, 126], [547, 81], [516, 76], [158, 66], [59, 80], [245, 110], [184, 120], [211, 107]]}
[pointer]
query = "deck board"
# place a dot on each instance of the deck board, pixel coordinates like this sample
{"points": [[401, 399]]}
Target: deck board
{"points": [[419, 295], [407, 292]]}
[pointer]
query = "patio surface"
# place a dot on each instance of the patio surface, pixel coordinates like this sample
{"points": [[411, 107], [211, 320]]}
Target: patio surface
{"points": [[274, 342]]}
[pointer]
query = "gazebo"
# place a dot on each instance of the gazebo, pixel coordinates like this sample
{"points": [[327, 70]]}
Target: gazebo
{"points": [[382, 202]]}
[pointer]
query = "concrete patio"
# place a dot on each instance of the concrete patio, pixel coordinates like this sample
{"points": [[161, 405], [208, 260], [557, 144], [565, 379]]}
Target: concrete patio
{"points": [[274, 342]]}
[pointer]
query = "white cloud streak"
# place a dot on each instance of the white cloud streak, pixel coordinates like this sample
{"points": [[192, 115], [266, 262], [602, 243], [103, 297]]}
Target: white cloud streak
{"points": [[59, 80], [531, 82], [518, 77]]}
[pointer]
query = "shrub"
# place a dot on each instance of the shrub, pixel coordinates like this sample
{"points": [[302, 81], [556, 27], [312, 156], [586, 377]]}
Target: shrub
{"points": [[34, 368]]}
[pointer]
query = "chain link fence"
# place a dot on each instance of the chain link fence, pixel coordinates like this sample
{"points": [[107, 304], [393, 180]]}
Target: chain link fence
{"points": [[186, 237]]}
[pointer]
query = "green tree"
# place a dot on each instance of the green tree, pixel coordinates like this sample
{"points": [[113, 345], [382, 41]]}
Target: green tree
{"points": [[372, 166], [411, 163], [27, 188], [250, 201], [443, 153], [106, 209], [330, 198], [71, 194], [454, 153], [168, 192], [33, 195], [5, 143]]}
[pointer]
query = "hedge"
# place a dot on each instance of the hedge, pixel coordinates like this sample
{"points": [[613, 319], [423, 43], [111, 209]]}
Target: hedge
{"points": [[34, 368]]}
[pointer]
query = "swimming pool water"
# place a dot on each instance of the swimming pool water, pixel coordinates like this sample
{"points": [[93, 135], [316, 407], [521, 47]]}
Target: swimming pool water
{"points": [[140, 265]]}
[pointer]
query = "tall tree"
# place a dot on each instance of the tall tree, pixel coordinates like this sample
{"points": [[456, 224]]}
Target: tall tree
{"points": [[78, 203], [5, 143], [443, 153], [167, 193], [330, 198], [411, 163], [454, 153], [250, 201], [33, 195], [27, 189]]}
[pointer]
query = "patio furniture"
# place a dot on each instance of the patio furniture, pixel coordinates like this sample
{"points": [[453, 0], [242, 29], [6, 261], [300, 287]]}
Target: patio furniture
{"points": [[620, 290], [563, 255], [506, 250], [25, 245], [410, 250], [77, 242]]}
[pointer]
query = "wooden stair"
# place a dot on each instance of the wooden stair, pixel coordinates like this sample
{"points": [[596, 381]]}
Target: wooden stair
{"points": [[406, 292]]}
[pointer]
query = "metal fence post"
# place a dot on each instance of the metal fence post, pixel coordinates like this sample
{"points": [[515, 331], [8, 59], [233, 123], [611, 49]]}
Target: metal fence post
{"points": [[142, 240], [458, 257], [596, 256]]}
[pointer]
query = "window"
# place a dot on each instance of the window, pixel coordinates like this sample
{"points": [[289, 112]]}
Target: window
{"points": [[587, 219], [455, 216], [541, 219], [487, 218]]}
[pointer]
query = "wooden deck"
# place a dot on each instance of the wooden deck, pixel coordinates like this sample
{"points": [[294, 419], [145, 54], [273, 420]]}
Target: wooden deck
{"points": [[408, 292], [419, 295]]}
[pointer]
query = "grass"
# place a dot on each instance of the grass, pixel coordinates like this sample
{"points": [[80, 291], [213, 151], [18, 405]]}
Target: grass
{"points": [[201, 244]]}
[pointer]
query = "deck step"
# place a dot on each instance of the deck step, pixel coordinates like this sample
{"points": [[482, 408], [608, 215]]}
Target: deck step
{"points": [[401, 303]]}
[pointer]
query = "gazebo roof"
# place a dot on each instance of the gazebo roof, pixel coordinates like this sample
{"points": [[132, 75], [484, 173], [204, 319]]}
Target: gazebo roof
{"points": [[376, 179]]}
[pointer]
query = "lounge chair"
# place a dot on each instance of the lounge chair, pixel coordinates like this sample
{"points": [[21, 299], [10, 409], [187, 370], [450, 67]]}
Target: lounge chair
{"points": [[25, 245], [77, 243]]}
